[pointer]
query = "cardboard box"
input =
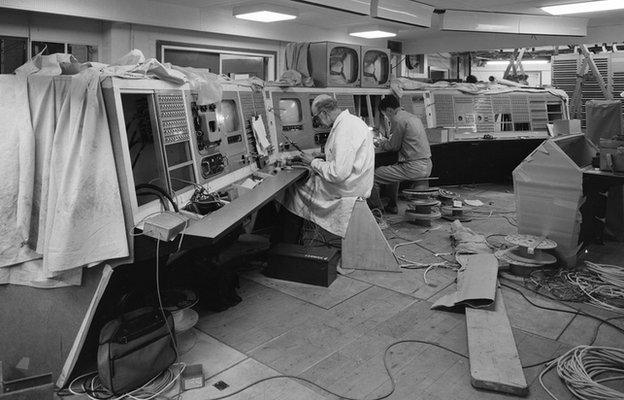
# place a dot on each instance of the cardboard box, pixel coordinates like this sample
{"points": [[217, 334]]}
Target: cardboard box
{"points": [[612, 155], [566, 127]]}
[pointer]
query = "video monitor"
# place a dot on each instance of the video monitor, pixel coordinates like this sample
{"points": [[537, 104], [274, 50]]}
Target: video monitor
{"points": [[290, 112], [229, 115], [376, 67], [343, 66]]}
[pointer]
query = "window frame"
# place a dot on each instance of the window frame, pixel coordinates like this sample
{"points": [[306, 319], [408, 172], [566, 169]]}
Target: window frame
{"points": [[162, 46]]}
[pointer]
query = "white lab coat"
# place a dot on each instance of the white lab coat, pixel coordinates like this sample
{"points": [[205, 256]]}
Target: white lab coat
{"points": [[327, 198]]}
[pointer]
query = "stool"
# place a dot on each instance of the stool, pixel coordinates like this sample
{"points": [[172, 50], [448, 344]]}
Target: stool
{"points": [[417, 185], [421, 183]]}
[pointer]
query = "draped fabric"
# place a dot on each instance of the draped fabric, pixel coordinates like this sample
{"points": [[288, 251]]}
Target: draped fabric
{"points": [[61, 207]]}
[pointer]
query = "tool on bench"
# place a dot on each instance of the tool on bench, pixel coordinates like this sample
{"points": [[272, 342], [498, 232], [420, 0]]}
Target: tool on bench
{"points": [[289, 140]]}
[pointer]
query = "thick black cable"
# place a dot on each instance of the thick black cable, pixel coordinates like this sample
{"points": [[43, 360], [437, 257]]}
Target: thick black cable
{"points": [[160, 190]]}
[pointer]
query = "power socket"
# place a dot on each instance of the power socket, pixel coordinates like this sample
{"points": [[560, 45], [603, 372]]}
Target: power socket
{"points": [[192, 377], [164, 226]]}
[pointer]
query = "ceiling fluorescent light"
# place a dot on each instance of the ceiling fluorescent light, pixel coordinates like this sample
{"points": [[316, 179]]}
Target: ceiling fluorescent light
{"points": [[372, 32], [264, 12], [403, 11], [471, 21], [524, 62], [586, 7], [360, 7]]}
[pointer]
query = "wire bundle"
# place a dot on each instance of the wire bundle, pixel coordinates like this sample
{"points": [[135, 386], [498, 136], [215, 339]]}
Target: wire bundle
{"points": [[580, 367], [602, 284], [557, 284], [91, 386]]}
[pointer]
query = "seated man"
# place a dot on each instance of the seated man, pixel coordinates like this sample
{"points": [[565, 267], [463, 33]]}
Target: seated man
{"points": [[408, 137], [328, 196]]}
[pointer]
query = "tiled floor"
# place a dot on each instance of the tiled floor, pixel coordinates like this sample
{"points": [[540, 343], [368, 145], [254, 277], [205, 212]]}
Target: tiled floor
{"points": [[336, 337]]}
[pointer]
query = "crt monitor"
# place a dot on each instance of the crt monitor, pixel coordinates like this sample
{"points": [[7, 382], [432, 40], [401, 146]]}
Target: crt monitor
{"points": [[290, 112], [343, 65], [376, 67], [229, 115]]}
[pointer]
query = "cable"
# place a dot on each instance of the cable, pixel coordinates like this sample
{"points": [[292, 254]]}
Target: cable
{"points": [[579, 367], [159, 190], [385, 363], [170, 329], [591, 343], [575, 312]]}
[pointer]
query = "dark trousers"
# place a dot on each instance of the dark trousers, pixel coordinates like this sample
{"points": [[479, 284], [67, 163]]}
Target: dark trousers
{"points": [[291, 228]]}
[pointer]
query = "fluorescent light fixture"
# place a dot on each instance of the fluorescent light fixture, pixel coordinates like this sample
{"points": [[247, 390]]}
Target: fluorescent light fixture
{"points": [[372, 32], [585, 7], [475, 21], [265, 12], [403, 11], [524, 62]]}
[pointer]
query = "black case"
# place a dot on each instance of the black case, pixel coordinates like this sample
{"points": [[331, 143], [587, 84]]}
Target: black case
{"points": [[311, 265]]}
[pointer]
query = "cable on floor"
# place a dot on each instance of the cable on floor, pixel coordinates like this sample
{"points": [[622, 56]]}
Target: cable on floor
{"points": [[576, 311], [297, 378], [580, 367]]}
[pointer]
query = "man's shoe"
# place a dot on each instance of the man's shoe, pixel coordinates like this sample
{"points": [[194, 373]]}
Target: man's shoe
{"points": [[392, 210]]}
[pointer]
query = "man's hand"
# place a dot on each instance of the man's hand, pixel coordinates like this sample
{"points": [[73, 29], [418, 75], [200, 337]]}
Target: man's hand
{"points": [[306, 158]]}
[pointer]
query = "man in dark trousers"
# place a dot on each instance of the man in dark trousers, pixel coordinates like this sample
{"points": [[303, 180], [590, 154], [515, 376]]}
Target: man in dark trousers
{"points": [[409, 139]]}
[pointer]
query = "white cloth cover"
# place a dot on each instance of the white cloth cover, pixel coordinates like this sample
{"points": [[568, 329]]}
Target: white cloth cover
{"points": [[84, 220], [61, 194], [328, 196], [17, 155]]}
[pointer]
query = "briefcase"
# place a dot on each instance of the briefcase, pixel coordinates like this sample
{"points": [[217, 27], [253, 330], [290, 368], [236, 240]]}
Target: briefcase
{"points": [[134, 348]]}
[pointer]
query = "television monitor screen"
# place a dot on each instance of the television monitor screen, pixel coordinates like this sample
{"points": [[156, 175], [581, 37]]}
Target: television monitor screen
{"points": [[343, 65], [290, 112], [376, 66], [229, 115]]}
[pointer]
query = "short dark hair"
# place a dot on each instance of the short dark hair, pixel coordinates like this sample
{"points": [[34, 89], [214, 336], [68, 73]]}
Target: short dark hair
{"points": [[389, 101], [471, 79]]}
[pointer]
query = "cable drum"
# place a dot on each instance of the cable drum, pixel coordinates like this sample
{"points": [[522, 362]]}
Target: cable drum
{"points": [[585, 369]]}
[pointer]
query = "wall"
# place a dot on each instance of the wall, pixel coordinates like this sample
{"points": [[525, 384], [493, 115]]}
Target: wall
{"points": [[497, 71], [165, 15], [116, 39], [600, 32], [42, 27]]}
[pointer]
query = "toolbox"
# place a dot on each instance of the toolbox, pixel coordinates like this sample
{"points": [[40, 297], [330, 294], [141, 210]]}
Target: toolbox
{"points": [[305, 264]]}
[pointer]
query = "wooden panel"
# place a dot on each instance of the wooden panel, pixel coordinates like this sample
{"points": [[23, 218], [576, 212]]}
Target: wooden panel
{"points": [[220, 222], [494, 360], [340, 290], [247, 372], [411, 281], [549, 324], [196, 347], [263, 315], [43, 323], [364, 245], [307, 344]]}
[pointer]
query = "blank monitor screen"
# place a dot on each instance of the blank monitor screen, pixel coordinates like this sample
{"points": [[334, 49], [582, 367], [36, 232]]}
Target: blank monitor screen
{"points": [[229, 114], [290, 111]]}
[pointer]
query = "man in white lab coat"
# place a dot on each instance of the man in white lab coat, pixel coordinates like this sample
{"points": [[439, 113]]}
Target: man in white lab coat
{"points": [[328, 196]]}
